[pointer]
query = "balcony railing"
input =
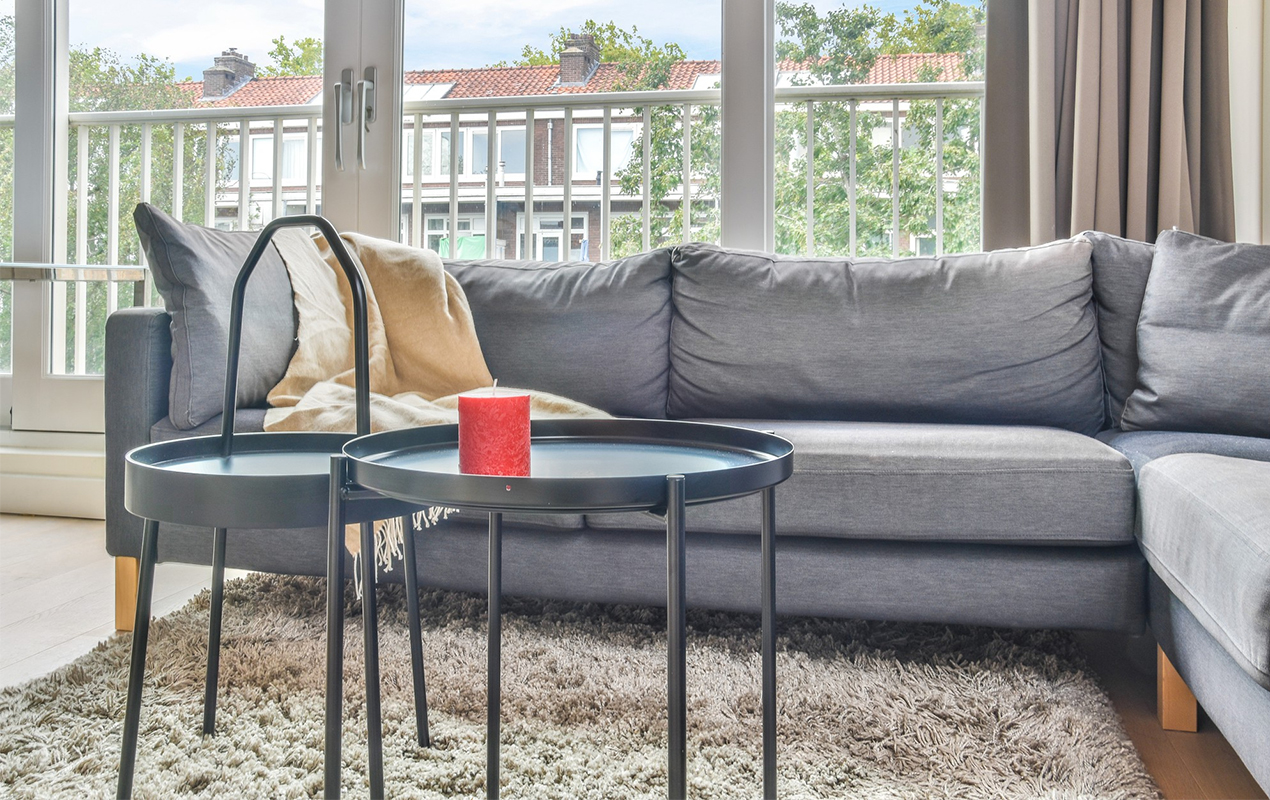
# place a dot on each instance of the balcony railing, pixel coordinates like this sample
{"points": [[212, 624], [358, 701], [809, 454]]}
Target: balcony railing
{"points": [[831, 173]]}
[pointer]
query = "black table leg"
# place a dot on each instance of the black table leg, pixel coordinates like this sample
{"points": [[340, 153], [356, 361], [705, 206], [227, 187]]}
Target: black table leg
{"points": [[137, 670], [334, 630], [494, 661], [676, 622], [370, 629], [416, 632], [213, 631], [769, 642]]}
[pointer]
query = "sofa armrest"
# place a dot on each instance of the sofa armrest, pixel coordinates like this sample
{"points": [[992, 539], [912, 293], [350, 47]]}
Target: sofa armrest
{"points": [[138, 370]]}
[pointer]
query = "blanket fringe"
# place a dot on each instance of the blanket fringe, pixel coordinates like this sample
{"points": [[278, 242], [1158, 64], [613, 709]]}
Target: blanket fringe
{"points": [[390, 540]]}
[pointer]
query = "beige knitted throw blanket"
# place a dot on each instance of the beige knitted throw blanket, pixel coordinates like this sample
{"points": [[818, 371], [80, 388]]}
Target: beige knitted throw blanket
{"points": [[423, 352]]}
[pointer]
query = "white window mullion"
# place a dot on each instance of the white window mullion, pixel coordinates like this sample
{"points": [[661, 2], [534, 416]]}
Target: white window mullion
{"points": [[748, 192], [42, 399]]}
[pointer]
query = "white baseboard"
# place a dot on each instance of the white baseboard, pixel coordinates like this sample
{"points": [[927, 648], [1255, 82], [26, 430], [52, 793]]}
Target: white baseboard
{"points": [[56, 475], [53, 496]]}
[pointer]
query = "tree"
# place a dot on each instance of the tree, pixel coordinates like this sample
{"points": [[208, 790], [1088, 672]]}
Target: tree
{"points": [[839, 46], [302, 58], [644, 65], [641, 62], [102, 80], [834, 47]]}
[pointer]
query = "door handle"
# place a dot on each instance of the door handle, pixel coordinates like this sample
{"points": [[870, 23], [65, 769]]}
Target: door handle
{"points": [[365, 111], [343, 99]]}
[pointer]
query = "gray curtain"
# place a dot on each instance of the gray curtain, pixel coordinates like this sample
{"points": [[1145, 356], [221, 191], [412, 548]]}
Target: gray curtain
{"points": [[1110, 115]]}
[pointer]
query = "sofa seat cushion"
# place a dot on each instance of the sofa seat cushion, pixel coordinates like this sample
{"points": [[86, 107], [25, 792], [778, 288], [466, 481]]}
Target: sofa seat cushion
{"points": [[1206, 533], [939, 483], [251, 420], [1141, 447]]}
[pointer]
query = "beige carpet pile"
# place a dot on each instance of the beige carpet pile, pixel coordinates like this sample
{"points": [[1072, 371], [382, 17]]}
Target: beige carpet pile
{"points": [[867, 710]]}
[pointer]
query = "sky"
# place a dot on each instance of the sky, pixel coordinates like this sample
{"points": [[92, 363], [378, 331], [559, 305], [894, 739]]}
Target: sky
{"points": [[437, 33]]}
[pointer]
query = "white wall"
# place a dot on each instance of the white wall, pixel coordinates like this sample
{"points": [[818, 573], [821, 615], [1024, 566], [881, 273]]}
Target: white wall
{"points": [[1250, 118]]}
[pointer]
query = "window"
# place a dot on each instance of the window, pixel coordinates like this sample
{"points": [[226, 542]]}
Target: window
{"points": [[471, 235], [444, 159], [549, 238], [857, 188], [261, 159], [427, 141], [511, 151], [294, 154], [589, 150]]}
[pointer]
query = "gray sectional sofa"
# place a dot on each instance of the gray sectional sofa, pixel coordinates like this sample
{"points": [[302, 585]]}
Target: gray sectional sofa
{"points": [[958, 456]]}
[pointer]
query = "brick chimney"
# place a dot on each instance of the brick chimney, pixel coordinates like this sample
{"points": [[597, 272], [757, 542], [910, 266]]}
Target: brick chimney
{"points": [[578, 60], [229, 73]]}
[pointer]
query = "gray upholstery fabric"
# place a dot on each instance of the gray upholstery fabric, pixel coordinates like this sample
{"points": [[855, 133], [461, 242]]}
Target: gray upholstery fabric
{"points": [[593, 332], [138, 366], [1058, 587], [943, 483], [194, 270], [1206, 533], [1204, 339], [1002, 338], [247, 420], [1121, 267], [1231, 699], [1140, 447]]}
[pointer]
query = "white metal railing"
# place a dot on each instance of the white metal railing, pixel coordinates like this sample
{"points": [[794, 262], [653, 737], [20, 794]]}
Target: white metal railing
{"points": [[129, 142], [566, 107]]}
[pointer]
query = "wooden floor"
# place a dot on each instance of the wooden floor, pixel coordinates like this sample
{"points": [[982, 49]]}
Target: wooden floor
{"points": [[57, 592], [57, 601]]}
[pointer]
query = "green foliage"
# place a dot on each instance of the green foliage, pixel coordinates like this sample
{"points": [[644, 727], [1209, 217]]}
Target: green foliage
{"points": [[839, 46], [834, 47], [100, 80], [302, 58], [641, 62]]}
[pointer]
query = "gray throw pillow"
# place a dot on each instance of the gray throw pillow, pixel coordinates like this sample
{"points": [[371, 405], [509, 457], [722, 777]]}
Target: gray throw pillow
{"points": [[596, 333], [195, 269], [1204, 339], [1121, 267], [1006, 337]]}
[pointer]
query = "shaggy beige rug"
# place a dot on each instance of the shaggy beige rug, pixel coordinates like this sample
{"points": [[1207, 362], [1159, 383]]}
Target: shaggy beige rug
{"points": [[867, 710]]}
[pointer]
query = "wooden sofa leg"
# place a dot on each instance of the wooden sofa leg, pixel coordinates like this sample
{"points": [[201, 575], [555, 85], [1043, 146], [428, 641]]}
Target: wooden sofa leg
{"points": [[1176, 705], [125, 592]]}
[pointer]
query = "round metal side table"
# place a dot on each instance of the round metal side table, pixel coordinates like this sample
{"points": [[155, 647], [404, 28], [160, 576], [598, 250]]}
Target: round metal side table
{"points": [[589, 466], [262, 480]]}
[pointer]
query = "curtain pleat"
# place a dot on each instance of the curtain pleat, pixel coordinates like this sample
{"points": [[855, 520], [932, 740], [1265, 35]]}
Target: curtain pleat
{"points": [[1128, 117], [1217, 191]]}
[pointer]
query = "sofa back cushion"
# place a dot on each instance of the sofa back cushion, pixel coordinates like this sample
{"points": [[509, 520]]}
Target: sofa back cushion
{"points": [[195, 269], [1204, 339], [1121, 267], [596, 333], [1006, 337]]}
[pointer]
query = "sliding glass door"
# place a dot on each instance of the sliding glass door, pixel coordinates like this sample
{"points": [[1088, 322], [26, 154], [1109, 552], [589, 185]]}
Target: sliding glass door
{"points": [[219, 119]]}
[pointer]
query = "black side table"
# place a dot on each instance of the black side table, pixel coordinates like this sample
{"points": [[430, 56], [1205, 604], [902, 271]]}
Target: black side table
{"points": [[581, 466], [257, 480]]}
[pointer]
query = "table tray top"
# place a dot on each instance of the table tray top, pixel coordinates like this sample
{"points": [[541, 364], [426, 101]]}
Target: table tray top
{"points": [[577, 465], [270, 480]]}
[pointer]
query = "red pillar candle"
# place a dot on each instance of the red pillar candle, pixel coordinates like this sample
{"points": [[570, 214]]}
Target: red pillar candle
{"points": [[494, 433]]}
